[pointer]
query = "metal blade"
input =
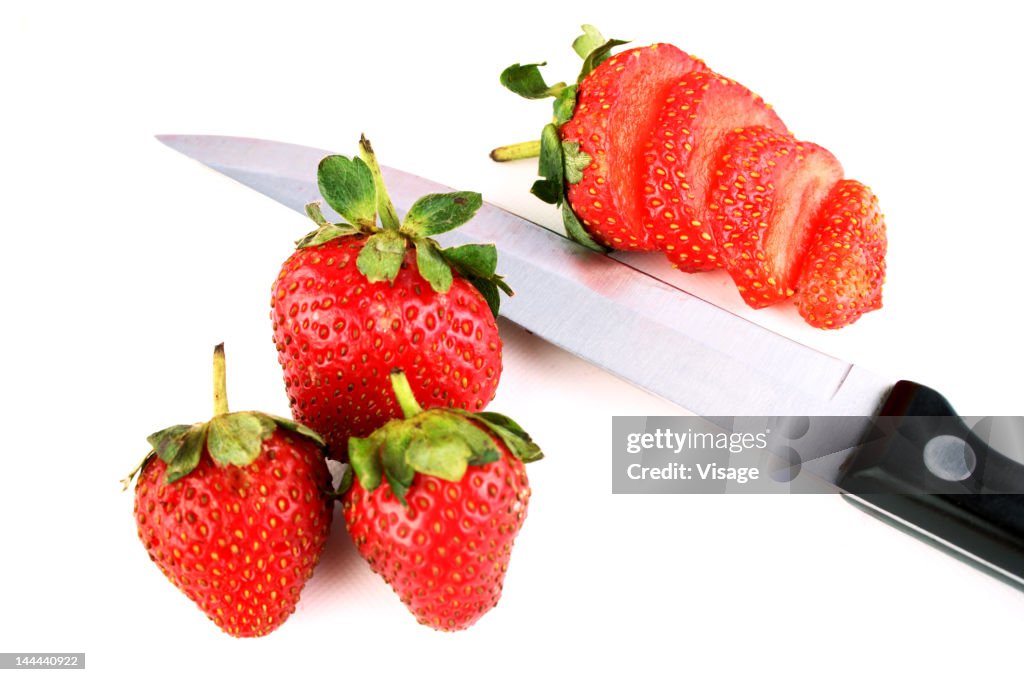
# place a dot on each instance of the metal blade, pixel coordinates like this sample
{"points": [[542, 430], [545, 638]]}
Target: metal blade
{"points": [[611, 313]]}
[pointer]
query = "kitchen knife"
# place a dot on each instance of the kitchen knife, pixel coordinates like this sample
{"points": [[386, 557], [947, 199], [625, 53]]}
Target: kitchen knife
{"points": [[943, 483]]}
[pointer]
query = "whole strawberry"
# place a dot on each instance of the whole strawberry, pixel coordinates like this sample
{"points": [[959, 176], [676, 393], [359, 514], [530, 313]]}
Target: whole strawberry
{"points": [[436, 502], [235, 512], [357, 299]]}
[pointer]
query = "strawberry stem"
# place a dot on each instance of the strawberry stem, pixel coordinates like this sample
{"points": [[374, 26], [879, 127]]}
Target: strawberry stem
{"points": [[220, 382], [403, 392], [386, 209], [514, 152]]}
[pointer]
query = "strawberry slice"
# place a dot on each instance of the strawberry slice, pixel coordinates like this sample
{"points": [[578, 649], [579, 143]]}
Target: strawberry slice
{"points": [[697, 113], [765, 194], [616, 107], [843, 273]]}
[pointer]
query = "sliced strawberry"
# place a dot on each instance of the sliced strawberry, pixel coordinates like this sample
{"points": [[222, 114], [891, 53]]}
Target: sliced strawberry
{"points": [[617, 105], [844, 270], [698, 111], [766, 192]]}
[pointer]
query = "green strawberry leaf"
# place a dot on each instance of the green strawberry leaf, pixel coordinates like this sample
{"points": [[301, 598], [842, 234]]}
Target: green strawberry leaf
{"points": [[348, 187], [525, 80], [346, 482], [575, 231], [388, 215], [180, 448], [397, 471], [588, 42], [432, 265], [478, 263], [598, 55], [441, 425], [300, 429], [550, 167], [324, 234], [575, 161], [445, 457], [237, 437], [400, 487], [547, 191], [167, 442], [489, 291], [315, 214], [438, 213], [127, 480], [188, 456], [325, 231], [381, 257], [364, 461], [496, 419], [565, 105], [183, 455], [484, 458], [474, 260], [515, 438]]}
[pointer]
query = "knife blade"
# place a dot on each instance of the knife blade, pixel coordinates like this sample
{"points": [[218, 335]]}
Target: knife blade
{"points": [[593, 305]]}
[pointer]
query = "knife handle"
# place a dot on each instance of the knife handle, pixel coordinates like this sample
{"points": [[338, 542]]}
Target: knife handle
{"points": [[939, 480]]}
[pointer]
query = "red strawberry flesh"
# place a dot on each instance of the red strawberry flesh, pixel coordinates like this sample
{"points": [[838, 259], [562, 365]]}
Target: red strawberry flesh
{"points": [[616, 107], [698, 111], [843, 273], [766, 194]]}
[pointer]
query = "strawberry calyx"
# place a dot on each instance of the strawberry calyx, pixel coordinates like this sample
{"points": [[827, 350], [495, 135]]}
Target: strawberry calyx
{"points": [[234, 438], [559, 162], [526, 80], [438, 442], [354, 188]]}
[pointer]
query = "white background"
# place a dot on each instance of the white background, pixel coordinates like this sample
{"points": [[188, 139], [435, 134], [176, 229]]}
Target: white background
{"points": [[124, 263]]}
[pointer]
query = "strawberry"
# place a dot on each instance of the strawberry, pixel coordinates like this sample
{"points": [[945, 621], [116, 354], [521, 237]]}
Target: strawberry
{"points": [[235, 512], [696, 114], [435, 504], [356, 300], [843, 272], [766, 191], [591, 157], [650, 149]]}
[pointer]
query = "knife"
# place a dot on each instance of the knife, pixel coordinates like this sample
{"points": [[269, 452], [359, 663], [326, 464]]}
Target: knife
{"points": [[943, 482]]}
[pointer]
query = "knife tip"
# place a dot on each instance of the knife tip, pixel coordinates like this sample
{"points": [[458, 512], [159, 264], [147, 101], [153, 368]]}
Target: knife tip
{"points": [[166, 139], [179, 142]]}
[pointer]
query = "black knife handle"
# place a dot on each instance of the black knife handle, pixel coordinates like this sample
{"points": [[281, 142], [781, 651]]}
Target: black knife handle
{"points": [[969, 506]]}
